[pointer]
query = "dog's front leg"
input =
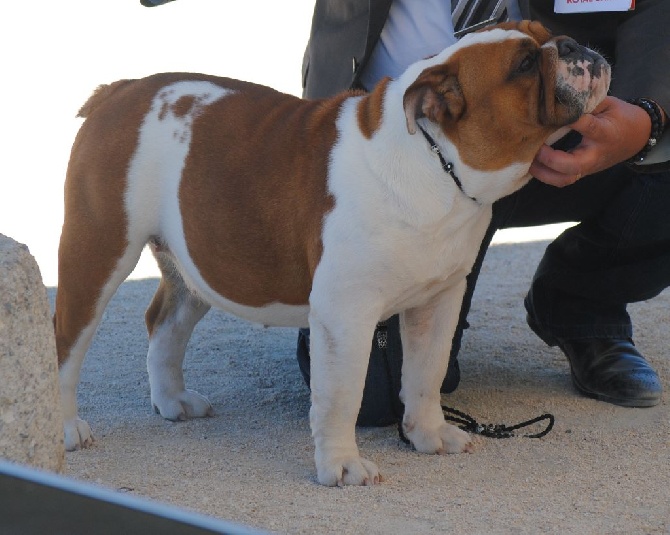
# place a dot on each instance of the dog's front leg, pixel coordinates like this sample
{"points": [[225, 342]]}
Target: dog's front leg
{"points": [[340, 351], [427, 333]]}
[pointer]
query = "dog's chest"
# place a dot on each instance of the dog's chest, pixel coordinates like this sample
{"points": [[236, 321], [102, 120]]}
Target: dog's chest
{"points": [[404, 264], [432, 262]]}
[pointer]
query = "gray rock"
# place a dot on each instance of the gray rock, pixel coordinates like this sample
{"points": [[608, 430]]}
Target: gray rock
{"points": [[31, 422]]}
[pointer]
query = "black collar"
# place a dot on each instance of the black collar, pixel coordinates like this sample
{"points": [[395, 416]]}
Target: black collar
{"points": [[447, 166]]}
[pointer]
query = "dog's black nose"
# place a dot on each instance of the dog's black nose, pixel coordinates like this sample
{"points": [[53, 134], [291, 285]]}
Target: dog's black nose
{"points": [[569, 48]]}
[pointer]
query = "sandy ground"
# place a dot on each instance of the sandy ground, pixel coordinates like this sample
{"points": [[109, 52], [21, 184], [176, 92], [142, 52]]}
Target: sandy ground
{"points": [[603, 469]]}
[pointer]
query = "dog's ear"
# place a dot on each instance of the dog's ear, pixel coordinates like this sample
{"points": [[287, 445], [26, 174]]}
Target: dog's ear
{"points": [[436, 95], [535, 29]]}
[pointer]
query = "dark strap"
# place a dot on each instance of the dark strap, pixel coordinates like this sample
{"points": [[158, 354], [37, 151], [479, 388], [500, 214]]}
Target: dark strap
{"points": [[448, 167], [469, 424]]}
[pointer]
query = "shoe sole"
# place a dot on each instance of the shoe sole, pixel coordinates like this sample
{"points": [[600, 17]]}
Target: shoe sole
{"points": [[632, 403], [553, 342]]}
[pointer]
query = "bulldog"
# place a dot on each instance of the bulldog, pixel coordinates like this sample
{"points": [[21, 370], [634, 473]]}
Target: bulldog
{"points": [[333, 214]]}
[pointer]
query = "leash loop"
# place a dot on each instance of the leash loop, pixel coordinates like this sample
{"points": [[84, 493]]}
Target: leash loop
{"points": [[469, 424]]}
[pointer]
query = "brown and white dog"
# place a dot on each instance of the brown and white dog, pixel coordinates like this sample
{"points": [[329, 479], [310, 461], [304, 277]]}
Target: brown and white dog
{"points": [[330, 214]]}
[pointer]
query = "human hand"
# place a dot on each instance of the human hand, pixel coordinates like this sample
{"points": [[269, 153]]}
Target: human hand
{"points": [[612, 133]]}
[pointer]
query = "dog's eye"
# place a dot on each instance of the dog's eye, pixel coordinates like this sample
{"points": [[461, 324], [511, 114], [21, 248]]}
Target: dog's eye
{"points": [[527, 63]]}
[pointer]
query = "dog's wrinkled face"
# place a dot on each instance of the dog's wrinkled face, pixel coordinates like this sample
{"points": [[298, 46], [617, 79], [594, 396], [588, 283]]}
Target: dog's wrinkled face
{"points": [[538, 84]]}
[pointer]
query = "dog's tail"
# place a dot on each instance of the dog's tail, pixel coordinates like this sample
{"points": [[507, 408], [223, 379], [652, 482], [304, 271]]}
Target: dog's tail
{"points": [[101, 93]]}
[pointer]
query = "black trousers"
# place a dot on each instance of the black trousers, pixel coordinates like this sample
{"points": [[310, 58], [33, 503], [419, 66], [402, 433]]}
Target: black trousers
{"points": [[619, 253]]}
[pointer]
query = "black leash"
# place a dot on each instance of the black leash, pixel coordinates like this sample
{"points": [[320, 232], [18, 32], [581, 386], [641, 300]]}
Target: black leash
{"points": [[469, 424]]}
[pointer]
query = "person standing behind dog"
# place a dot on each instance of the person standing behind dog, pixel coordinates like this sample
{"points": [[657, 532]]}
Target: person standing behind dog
{"points": [[611, 174]]}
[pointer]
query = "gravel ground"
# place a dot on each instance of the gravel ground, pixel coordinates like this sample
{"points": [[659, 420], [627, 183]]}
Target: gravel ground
{"points": [[602, 469]]}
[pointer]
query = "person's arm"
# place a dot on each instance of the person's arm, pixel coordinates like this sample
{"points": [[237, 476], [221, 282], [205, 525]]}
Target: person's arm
{"points": [[639, 44], [342, 37]]}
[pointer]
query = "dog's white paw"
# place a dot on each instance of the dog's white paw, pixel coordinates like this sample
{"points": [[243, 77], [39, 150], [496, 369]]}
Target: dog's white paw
{"points": [[186, 404], [77, 434], [445, 438], [347, 470]]}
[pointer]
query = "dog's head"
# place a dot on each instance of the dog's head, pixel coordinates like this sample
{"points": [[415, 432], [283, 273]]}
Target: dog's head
{"points": [[498, 94]]}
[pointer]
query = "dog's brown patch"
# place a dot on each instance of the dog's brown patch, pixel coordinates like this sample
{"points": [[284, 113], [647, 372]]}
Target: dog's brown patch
{"points": [[503, 112], [370, 109], [497, 116], [94, 206], [183, 105], [259, 240]]}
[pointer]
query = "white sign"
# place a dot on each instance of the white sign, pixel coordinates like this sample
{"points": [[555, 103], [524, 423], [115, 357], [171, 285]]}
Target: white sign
{"points": [[590, 6]]}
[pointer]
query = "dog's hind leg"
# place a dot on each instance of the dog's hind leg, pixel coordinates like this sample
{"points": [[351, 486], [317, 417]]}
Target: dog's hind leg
{"points": [[92, 263], [170, 320]]}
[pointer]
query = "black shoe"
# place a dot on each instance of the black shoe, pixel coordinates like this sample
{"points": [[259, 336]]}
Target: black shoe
{"points": [[608, 369]]}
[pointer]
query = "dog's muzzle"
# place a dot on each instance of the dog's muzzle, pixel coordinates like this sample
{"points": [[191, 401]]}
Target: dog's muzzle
{"points": [[581, 57]]}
